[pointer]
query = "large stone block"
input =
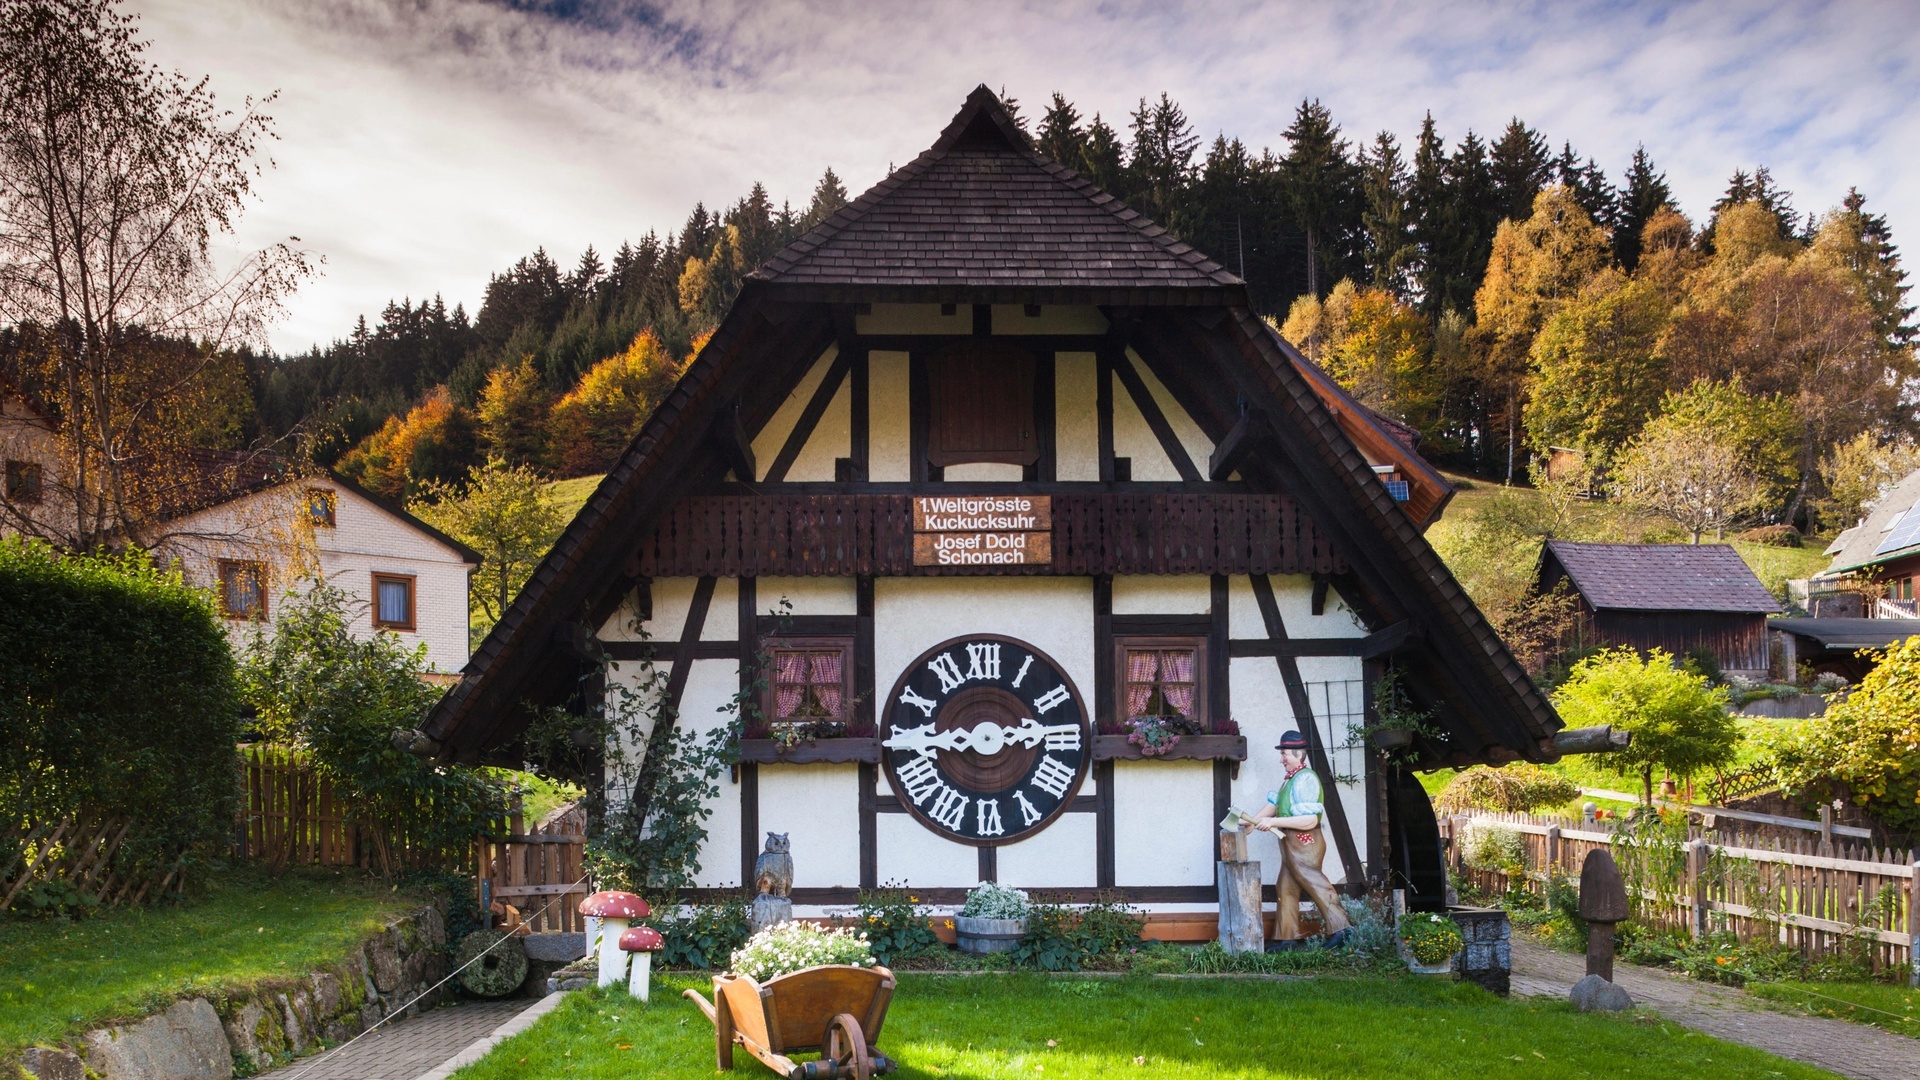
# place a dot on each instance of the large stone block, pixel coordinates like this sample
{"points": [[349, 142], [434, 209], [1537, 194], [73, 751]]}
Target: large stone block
{"points": [[254, 1033], [184, 1043], [44, 1063], [383, 960], [1595, 994]]}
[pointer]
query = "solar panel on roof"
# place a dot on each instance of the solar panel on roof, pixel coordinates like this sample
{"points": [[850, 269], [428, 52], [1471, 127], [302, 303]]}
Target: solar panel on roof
{"points": [[1904, 535]]}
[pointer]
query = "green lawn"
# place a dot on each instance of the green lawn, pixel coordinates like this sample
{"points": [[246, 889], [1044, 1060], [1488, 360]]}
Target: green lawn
{"points": [[571, 495], [1048, 1028], [61, 977], [1895, 1008]]}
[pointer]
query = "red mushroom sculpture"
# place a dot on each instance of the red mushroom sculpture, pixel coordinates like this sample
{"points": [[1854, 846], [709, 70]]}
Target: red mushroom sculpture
{"points": [[616, 911], [641, 942]]}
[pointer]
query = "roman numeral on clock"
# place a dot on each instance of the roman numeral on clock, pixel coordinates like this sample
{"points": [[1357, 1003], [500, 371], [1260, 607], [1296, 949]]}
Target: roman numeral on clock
{"points": [[949, 808], [983, 661], [1048, 700], [919, 778], [947, 670], [1052, 777], [988, 823]]}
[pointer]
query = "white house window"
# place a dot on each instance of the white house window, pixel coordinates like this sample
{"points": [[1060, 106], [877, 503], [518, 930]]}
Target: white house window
{"points": [[243, 589], [810, 681], [393, 601], [320, 507], [1164, 679]]}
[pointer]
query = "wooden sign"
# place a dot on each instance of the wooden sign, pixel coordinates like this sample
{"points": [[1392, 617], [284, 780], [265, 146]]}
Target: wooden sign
{"points": [[983, 530]]}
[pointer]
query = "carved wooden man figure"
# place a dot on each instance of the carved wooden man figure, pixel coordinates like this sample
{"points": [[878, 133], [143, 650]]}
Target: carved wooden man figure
{"points": [[1293, 813]]}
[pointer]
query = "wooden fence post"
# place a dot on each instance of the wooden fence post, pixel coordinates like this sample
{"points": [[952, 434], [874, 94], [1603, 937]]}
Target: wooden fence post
{"points": [[1913, 927], [1697, 886], [1553, 849], [1826, 828]]}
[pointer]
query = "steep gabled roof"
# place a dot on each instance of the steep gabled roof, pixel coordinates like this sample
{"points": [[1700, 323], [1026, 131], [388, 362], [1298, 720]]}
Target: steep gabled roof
{"points": [[1888, 533], [1187, 311], [1661, 577], [981, 214]]}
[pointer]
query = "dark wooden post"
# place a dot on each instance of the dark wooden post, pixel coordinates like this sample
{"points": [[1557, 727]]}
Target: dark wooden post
{"points": [[1603, 902]]}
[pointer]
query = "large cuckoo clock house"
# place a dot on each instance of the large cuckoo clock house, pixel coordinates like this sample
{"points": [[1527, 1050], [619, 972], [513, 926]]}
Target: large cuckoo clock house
{"points": [[1007, 491]]}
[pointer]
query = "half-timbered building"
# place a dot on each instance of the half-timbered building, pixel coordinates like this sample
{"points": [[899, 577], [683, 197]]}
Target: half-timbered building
{"points": [[976, 479]]}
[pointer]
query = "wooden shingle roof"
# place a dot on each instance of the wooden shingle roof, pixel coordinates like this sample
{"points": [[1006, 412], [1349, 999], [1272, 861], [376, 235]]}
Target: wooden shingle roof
{"points": [[981, 216], [1662, 577]]}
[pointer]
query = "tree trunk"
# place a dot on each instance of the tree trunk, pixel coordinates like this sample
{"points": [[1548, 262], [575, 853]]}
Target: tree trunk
{"points": [[1646, 786]]}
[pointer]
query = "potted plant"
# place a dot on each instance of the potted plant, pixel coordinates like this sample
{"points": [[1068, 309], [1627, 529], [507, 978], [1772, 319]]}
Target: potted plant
{"points": [[1429, 941], [994, 919], [793, 946], [1396, 721]]}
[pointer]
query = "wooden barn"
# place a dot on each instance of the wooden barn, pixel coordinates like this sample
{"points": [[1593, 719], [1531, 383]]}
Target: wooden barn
{"points": [[975, 481], [1677, 597]]}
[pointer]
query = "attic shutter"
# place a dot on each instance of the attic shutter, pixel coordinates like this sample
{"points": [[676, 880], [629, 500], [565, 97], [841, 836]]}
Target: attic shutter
{"points": [[981, 406]]}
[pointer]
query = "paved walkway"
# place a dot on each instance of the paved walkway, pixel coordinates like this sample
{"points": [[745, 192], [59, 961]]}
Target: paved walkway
{"points": [[1849, 1049], [405, 1049]]}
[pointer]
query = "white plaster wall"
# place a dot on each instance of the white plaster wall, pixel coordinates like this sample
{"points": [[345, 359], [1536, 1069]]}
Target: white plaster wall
{"points": [[1076, 435], [818, 807], [1199, 447], [914, 319], [832, 438], [889, 427], [1013, 320], [711, 685], [908, 853], [1185, 594], [809, 595], [768, 441], [723, 614], [1293, 596], [671, 599], [1062, 855], [1163, 823], [1132, 438], [989, 472]]}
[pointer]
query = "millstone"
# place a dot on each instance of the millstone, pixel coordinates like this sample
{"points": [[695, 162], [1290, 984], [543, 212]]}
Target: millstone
{"points": [[498, 973]]}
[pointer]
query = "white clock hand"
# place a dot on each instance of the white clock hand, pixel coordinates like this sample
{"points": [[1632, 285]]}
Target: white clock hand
{"points": [[986, 738]]}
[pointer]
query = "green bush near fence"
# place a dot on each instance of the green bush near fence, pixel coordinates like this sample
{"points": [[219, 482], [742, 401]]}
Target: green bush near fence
{"points": [[116, 691]]}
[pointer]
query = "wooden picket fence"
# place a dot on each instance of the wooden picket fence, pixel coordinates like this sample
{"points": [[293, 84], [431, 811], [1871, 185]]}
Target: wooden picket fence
{"points": [[537, 870], [78, 851], [1817, 895], [291, 816]]}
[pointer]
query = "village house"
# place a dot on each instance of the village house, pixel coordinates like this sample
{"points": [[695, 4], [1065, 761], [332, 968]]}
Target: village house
{"points": [[1681, 598], [978, 479], [1876, 564], [257, 546], [238, 525]]}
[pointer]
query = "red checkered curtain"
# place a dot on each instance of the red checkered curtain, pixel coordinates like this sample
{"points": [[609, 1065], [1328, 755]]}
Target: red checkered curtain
{"points": [[789, 683], [1176, 681], [826, 680], [1142, 666]]}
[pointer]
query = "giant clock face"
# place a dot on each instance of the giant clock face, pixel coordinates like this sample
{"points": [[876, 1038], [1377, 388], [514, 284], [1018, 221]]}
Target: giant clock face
{"points": [[985, 739]]}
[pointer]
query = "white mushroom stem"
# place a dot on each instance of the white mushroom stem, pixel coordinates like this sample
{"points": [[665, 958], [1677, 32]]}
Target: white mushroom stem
{"points": [[613, 959], [642, 968]]}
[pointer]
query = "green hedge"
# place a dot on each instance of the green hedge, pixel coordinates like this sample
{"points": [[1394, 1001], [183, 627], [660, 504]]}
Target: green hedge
{"points": [[117, 695]]}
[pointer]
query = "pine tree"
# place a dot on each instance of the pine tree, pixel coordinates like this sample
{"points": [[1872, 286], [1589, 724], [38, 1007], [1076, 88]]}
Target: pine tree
{"points": [[1472, 213], [1160, 161], [1060, 137], [1521, 166], [1322, 189], [1589, 185], [1100, 159], [1427, 208], [1392, 256], [1760, 190], [1646, 194], [829, 195]]}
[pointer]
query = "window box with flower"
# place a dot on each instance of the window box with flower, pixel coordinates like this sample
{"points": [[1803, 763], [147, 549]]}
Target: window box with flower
{"points": [[1163, 695], [808, 714]]}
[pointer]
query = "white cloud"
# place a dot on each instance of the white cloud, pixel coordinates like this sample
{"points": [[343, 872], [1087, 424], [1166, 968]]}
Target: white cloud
{"points": [[427, 143]]}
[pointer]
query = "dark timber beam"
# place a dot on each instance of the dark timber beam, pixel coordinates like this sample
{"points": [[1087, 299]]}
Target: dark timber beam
{"points": [[1233, 449], [1391, 639], [1156, 420], [803, 428]]}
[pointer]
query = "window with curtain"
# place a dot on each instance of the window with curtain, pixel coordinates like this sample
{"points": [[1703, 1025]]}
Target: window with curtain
{"points": [[809, 681], [320, 507], [392, 602], [1163, 678], [243, 589]]}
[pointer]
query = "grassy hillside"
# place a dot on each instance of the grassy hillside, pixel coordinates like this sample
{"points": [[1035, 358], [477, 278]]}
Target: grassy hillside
{"points": [[571, 495]]}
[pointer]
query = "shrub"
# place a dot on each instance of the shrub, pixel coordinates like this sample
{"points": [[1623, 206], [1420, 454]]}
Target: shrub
{"points": [[701, 936], [1494, 848], [1429, 936], [1059, 938], [1785, 536], [314, 685], [991, 901], [894, 923], [117, 697], [1521, 787], [1870, 741], [793, 946], [1679, 722]]}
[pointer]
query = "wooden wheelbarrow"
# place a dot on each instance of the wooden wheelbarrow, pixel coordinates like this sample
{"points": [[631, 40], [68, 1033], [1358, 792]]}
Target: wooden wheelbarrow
{"points": [[834, 1009]]}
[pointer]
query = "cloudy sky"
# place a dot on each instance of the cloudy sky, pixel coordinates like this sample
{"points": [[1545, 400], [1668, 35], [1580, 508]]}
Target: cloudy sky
{"points": [[424, 144]]}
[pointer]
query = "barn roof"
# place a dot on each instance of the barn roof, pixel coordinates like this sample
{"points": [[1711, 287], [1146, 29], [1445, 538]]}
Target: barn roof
{"points": [[1183, 309], [1891, 530], [1661, 577], [982, 217], [1849, 633]]}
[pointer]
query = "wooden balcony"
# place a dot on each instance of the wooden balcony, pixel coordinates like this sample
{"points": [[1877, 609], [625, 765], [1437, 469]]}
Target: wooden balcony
{"points": [[846, 535]]}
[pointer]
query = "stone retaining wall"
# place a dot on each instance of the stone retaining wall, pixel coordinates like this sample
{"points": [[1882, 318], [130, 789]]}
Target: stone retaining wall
{"points": [[247, 1032]]}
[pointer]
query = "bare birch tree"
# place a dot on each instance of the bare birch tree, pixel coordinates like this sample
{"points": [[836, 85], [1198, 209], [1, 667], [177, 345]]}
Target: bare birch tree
{"points": [[116, 180]]}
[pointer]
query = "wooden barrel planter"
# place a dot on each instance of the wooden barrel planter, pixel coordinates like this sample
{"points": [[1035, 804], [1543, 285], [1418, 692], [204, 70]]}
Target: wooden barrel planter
{"points": [[982, 936]]}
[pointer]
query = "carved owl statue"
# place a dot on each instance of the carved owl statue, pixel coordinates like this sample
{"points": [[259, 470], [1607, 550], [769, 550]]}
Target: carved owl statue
{"points": [[773, 870]]}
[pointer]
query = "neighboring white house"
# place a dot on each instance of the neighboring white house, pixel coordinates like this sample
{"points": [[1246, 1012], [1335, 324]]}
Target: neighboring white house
{"points": [[403, 575]]}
